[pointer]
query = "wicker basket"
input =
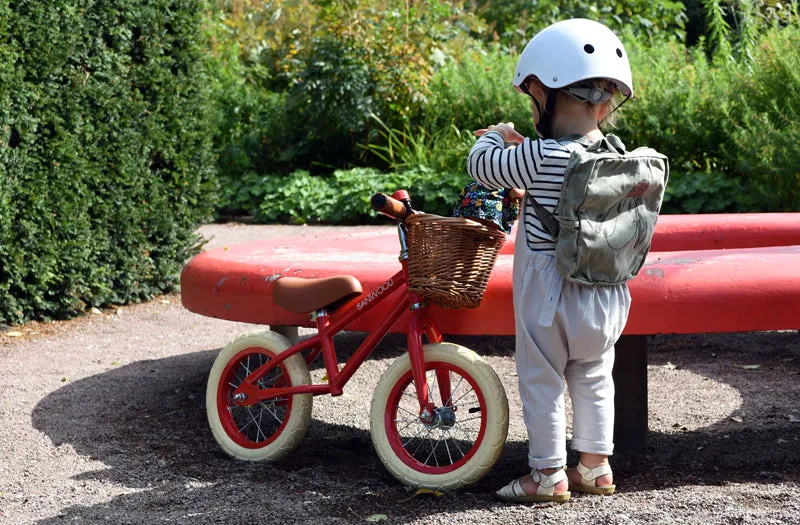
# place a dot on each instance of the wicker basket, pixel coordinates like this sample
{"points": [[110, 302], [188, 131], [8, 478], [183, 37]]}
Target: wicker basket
{"points": [[450, 258]]}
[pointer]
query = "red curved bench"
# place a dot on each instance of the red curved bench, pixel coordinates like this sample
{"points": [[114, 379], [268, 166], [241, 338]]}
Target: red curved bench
{"points": [[739, 264], [706, 273], [720, 231]]}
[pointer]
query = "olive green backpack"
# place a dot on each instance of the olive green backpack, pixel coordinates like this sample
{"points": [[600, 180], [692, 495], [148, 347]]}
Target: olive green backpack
{"points": [[607, 212]]}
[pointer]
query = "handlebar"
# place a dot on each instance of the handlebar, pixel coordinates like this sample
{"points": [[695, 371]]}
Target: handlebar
{"points": [[398, 206]]}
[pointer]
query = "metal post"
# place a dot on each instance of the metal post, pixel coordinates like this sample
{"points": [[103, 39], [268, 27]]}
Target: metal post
{"points": [[630, 401], [289, 332]]}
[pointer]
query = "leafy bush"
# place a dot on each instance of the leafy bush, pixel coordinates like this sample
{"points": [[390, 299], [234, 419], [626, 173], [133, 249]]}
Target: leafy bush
{"points": [[515, 21], [248, 134], [722, 109], [729, 123], [475, 91], [333, 63], [266, 39], [104, 144], [327, 111], [733, 117], [402, 44], [762, 118], [343, 196], [703, 193], [678, 107]]}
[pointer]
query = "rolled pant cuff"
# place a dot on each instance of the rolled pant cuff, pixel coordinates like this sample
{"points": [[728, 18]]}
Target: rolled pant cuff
{"points": [[540, 463], [592, 447]]}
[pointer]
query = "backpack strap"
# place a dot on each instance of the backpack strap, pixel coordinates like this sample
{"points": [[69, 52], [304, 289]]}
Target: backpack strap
{"points": [[547, 219], [610, 143], [583, 140]]}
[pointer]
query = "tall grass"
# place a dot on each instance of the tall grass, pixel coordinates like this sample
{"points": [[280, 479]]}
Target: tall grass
{"points": [[441, 149]]}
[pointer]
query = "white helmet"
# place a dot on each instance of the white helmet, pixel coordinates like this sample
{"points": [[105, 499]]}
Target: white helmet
{"points": [[573, 50]]}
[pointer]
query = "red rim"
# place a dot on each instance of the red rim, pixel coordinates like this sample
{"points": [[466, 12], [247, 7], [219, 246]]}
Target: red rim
{"points": [[399, 392], [231, 415]]}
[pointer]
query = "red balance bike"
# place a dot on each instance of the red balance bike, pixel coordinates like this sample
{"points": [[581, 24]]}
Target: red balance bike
{"points": [[439, 414]]}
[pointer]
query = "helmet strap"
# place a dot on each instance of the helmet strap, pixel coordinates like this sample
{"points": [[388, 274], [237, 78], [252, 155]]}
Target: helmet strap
{"points": [[588, 93], [545, 125], [618, 106]]}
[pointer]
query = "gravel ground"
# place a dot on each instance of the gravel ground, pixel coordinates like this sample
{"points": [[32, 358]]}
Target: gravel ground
{"points": [[103, 421]]}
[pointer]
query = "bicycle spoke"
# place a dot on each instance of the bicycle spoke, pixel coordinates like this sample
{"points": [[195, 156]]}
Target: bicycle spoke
{"points": [[411, 396], [432, 387], [274, 414], [413, 438], [464, 394], [252, 419], [258, 426], [474, 402], [412, 414], [422, 441], [455, 442], [408, 424], [274, 380], [466, 435], [433, 451], [449, 455]]}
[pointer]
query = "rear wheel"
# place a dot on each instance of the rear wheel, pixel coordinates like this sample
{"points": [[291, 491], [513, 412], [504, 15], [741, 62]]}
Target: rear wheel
{"points": [[464, 435], [265, 430]]}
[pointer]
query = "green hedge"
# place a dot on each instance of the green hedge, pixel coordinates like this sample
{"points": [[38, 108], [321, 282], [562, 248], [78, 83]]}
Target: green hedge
{"points": [[105, 168]]}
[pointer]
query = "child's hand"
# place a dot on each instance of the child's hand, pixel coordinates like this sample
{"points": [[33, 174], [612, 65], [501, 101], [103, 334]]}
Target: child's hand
{"points": [[506, 130]]}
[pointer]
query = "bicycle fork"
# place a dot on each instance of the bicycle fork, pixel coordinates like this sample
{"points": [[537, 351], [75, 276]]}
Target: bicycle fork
{"points": [[422, 324]]}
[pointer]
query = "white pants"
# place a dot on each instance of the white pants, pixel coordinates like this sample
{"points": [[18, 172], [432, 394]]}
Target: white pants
{"points": [[565, 331]]}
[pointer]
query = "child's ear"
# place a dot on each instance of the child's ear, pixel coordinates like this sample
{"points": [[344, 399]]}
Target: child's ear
{"points": [[536, 87]]}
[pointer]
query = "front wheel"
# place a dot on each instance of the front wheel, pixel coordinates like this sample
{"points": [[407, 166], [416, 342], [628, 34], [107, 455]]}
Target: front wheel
{"points": [[463, 438], [266, 430]]}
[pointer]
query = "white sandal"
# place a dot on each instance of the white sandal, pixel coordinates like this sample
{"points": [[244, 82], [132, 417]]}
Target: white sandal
{"points": [[589, 477], [514, 493]]}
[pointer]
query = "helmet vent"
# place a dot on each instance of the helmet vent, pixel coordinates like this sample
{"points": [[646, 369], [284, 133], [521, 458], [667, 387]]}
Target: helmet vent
{"points": [[619, 52], [589, 48]]}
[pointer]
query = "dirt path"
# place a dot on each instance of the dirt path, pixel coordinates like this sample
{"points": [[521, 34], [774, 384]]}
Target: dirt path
{"points": [[102, 420]]}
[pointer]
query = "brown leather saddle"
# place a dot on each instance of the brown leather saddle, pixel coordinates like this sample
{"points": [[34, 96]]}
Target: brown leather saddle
{"points": [[301, 295]]}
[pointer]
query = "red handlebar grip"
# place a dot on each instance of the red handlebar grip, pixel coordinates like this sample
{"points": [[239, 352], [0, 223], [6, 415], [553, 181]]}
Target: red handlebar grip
{"points": [[388, 205]]}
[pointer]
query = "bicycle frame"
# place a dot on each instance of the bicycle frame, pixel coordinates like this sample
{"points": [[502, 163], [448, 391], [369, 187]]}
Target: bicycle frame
{"points": [[328, 326]]}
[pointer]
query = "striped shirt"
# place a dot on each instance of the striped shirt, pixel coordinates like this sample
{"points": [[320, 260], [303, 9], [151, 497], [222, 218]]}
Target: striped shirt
{"points": [[536, 166]]}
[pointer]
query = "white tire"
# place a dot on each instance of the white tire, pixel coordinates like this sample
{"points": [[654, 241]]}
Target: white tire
{"points": [[267, 430], [470, 434]]}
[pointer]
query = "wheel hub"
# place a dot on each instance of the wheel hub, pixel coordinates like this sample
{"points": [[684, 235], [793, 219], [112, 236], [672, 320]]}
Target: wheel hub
{"points": [[442, 418]]}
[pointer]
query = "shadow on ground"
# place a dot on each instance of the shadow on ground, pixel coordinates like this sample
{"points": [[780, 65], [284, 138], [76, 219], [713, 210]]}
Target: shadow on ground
{"points": [[147, 423]]}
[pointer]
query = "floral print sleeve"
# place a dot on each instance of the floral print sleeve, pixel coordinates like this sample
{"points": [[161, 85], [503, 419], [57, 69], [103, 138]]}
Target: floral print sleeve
{"points": [[487, 205]]}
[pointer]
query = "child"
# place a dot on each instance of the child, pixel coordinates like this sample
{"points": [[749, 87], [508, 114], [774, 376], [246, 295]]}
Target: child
{"points": [[565, 331]]}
